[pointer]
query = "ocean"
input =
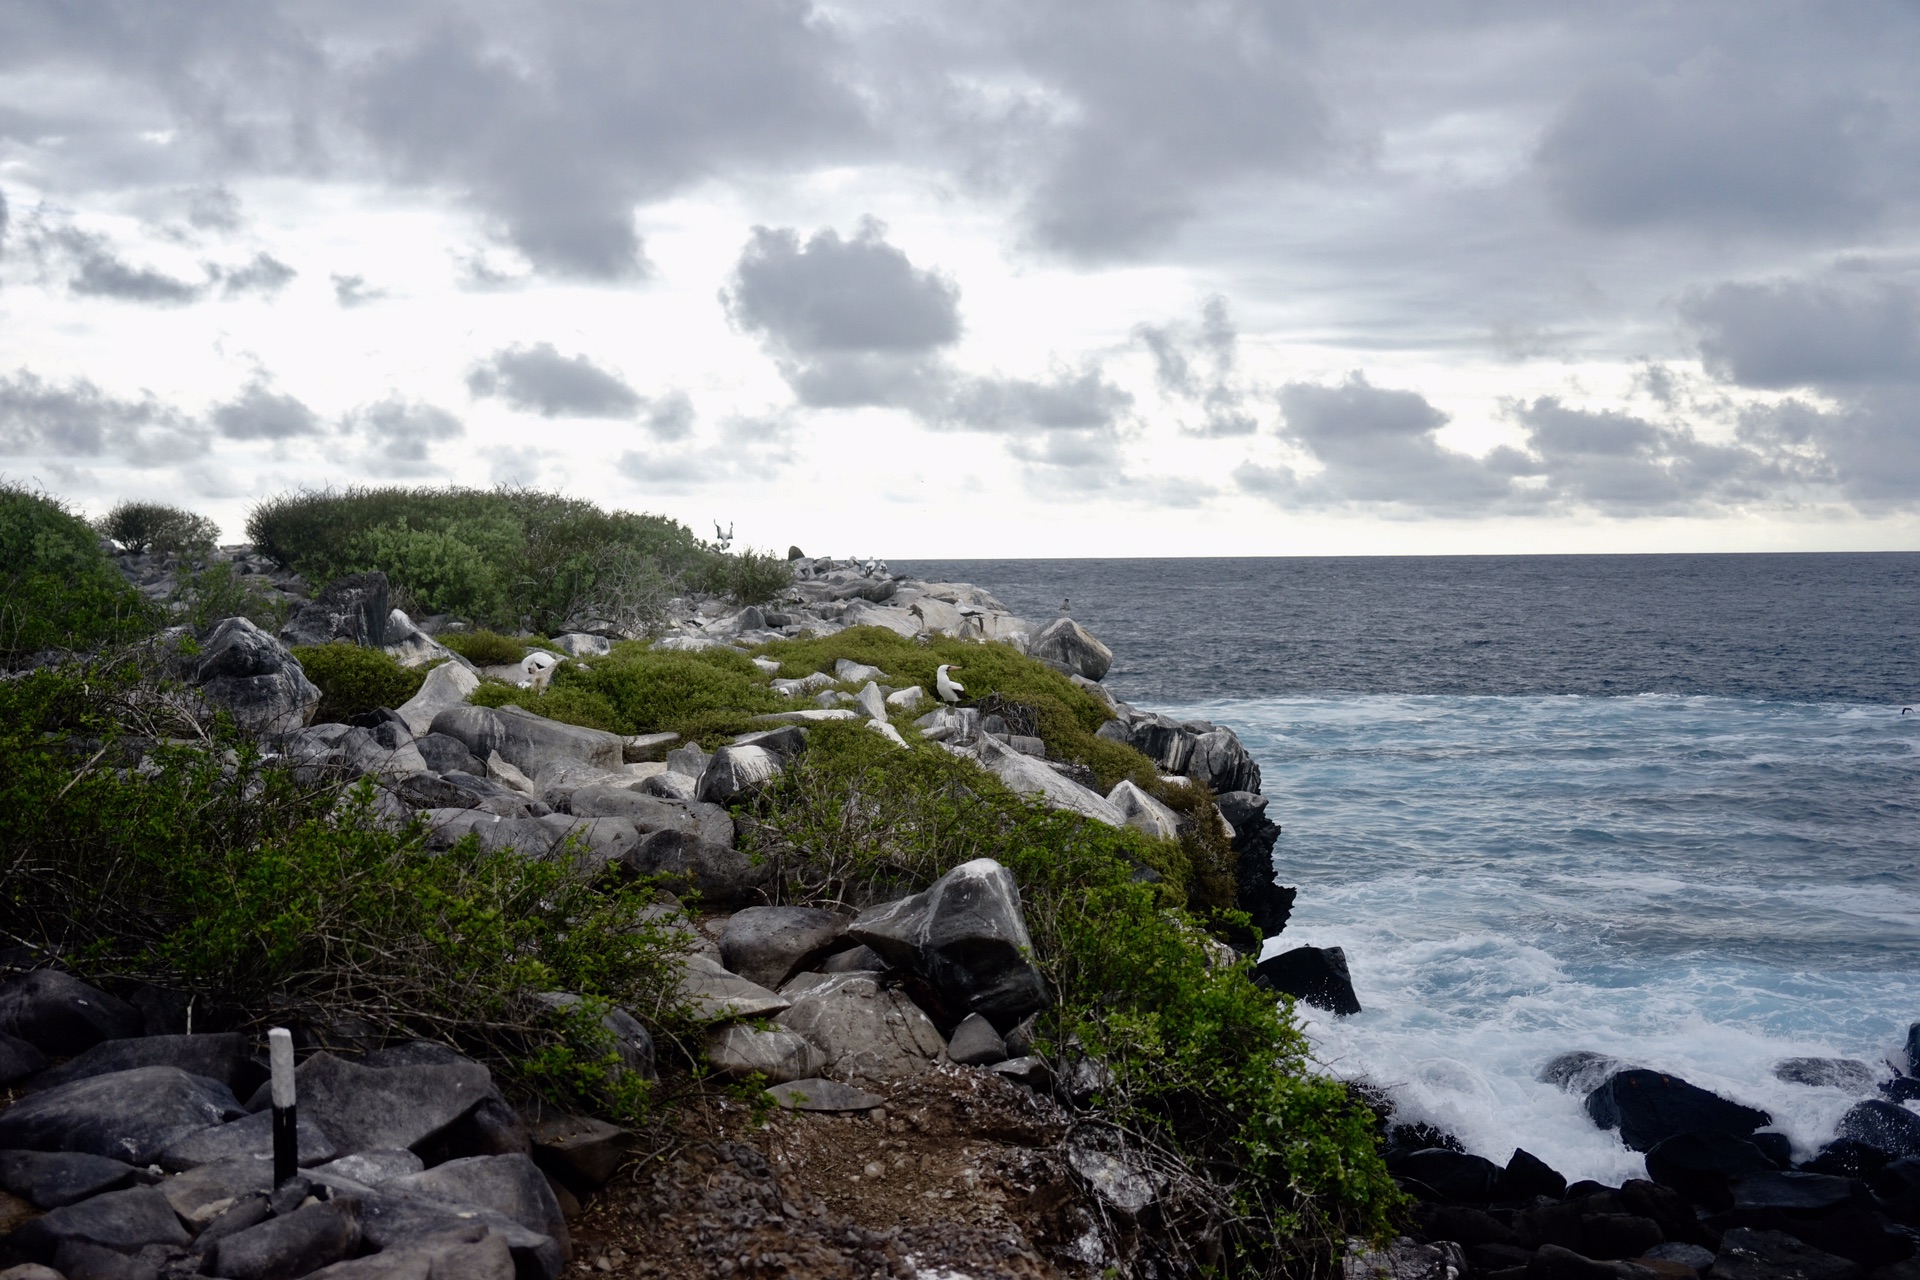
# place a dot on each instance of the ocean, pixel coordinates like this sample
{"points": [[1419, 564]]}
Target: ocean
{"points": [[1661, 807]]}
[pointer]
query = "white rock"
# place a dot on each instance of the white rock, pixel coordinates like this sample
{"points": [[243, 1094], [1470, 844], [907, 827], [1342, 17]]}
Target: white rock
{"points": [[410, 646], [736, 1052], [580, 644], [802, 717], [862, 614], [872, 701], [908, 699], [850, 672], [447, 685], [937, 616], [713, 994], [864, 1031], [1029, 777], [887, 731], [767, 665], [509, 776], [1143, 813]]}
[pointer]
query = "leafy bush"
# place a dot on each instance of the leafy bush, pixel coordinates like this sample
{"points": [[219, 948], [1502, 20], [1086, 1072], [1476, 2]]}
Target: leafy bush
{"points": [[207, 870], [56, 587], [484, 648], [567, 703], [214, 591], [748, 577], [354, 680], [505, 558], [707, 696], [137, 526], [1208, 1076]]}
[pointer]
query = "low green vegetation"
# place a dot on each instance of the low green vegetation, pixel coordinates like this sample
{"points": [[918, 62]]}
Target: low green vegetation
{"points": [[484, 648], [509, 559], [706, 696], [207, 870], [57, 588], [154, 526], [1206, 1073], [354, 680]]}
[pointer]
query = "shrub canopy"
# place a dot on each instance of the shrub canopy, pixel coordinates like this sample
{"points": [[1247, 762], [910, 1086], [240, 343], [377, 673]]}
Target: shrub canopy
{"points": [[57, 588]]}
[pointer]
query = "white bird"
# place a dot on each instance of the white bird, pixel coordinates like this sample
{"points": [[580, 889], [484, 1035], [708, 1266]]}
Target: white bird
{"points": [[949, 688], [539, 667]]}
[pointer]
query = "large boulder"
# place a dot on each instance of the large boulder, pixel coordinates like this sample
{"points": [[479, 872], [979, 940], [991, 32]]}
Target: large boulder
{"points": [[1257, 891], [966, 935], [865, 1030], [448, 685], [511, 1186], [386, 1109], [1317, 975], [1650, 1106], [469, 1250], [768, 945], [222, 1056], [249, 1136], [408, 1225], [711, 993], [123, 1221], [245, 672], [1747, 1254], [1702, 1166], [18, 1060], [526, 741], [1848, 1074], [1884, 1126], [1030, 777], [1144, 813], [354, 609], [59, 1014], [1070, 648], [128, 1115], [736, 1051], [735, 771], [723, 876], [1221, 761], [49, 1179], [290, 1245]]}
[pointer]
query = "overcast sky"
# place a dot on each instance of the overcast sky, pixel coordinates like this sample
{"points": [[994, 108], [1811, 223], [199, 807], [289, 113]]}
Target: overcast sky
{"points": [[995, 279]]}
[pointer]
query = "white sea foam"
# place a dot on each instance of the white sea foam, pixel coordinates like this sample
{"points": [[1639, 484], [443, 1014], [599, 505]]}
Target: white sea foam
{"points": [[1699, 885]]}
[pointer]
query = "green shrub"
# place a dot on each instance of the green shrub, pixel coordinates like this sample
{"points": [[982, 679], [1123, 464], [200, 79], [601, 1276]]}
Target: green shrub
{"points": [[484, 648], [137, 526], [209, 871], [57, 589], [1209, 1075], [505, 558], [567, 703], [748, 577], [214, 591], [706, 696], [354, 680]]}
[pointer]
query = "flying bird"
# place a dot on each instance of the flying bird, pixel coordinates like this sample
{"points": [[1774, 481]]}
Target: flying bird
{"points": [[949, 688]]}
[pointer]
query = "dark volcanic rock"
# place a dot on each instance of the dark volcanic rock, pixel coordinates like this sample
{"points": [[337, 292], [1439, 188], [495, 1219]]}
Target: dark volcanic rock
{"points": [[512, 1186], [247, 673], [1580, 1071], [60, 1015], [1883, 1126], [386, 1109], [445, 753], [1650, 1106], [1451, 1175], [966, 936], [50, 1179], [284, 1247], [248, 1136], [1555, 1262], [1267, 903], [1317, 975], [1070, 648], [121, 1220], [1850, 1074], [1612, 1236], [1773, 1255], [1702, 1166], [1795, 1192], [354, 609], [129, 1115], [18, 1060], [222, 1056], [768, 945], [1846, 1158], [1527, 1176]]}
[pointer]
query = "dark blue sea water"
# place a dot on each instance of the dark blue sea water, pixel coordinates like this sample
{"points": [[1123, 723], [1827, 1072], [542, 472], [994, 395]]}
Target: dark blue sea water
{"points": [[1666, 807]]}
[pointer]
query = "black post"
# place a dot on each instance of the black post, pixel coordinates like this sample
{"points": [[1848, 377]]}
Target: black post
{"points": [[286, 1138]]}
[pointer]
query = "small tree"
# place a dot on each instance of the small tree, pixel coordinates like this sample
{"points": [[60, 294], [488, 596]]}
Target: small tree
{"points": [[138, 526]]}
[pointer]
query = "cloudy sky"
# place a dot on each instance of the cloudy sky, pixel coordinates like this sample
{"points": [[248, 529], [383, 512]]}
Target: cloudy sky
{"points": [[993, 278]]}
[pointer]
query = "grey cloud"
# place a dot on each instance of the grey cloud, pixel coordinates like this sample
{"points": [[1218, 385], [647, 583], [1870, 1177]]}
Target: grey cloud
{"points": [[1625, 465], [1718, 143], [1869, 444], [260, 414], [1069, 402], [3, 224], [1792, 333], [1198, 364], [266, 274], [670, 417], [78, 420], [352, 291], [1379, 445], [831, 296], [538, 379], [213, 209], [403, 432], [98, 272]]}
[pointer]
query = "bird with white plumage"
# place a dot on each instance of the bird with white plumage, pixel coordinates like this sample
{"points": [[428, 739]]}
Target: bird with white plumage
{"points": [[949, 689]]}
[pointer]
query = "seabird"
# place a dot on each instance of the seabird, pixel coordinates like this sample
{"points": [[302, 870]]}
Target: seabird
{"points": [[949, 688], [539, 667]]}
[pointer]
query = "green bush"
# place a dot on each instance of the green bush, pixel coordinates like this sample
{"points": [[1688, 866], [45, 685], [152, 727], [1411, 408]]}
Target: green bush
{"points": [[510, 559], [57, 589], [354, 680], [206, 870], [706, 696], [1209, 1075], [137, 526], [214, 591], [748, 577], [484, 648]]}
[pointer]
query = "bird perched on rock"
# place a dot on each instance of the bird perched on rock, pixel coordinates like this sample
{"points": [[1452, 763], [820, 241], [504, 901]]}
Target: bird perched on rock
{"points": [[539, 667], [950, 690]]}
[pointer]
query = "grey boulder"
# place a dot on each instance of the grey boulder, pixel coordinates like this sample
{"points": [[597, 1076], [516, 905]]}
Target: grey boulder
{"points": [[1144, 813], [50, 1179], [723, 876], [284, 1247], [736, 1052], [734, 772], [58, 1014], [384, 1109], [1030, 777], [392, 1222], [863, 1029], [245, 672], [119, 1220], [221, 1056], [248, 1136], [127, 1115], [967, 936], [824, 1095], [447, 685], [713, 994], [526, 741], [511, 1186], [354, 609], [630, 1040], [18, 1060], [581, 1151], [467, 1251], [1070, 648], [975, 1043], [768, 945]]}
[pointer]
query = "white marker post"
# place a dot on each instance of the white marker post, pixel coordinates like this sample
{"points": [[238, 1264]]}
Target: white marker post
{"points": [[285, 1136]]}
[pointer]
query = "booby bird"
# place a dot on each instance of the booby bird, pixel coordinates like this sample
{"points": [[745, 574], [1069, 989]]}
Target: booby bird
{"points": [[539, 667], [949, 689]]}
